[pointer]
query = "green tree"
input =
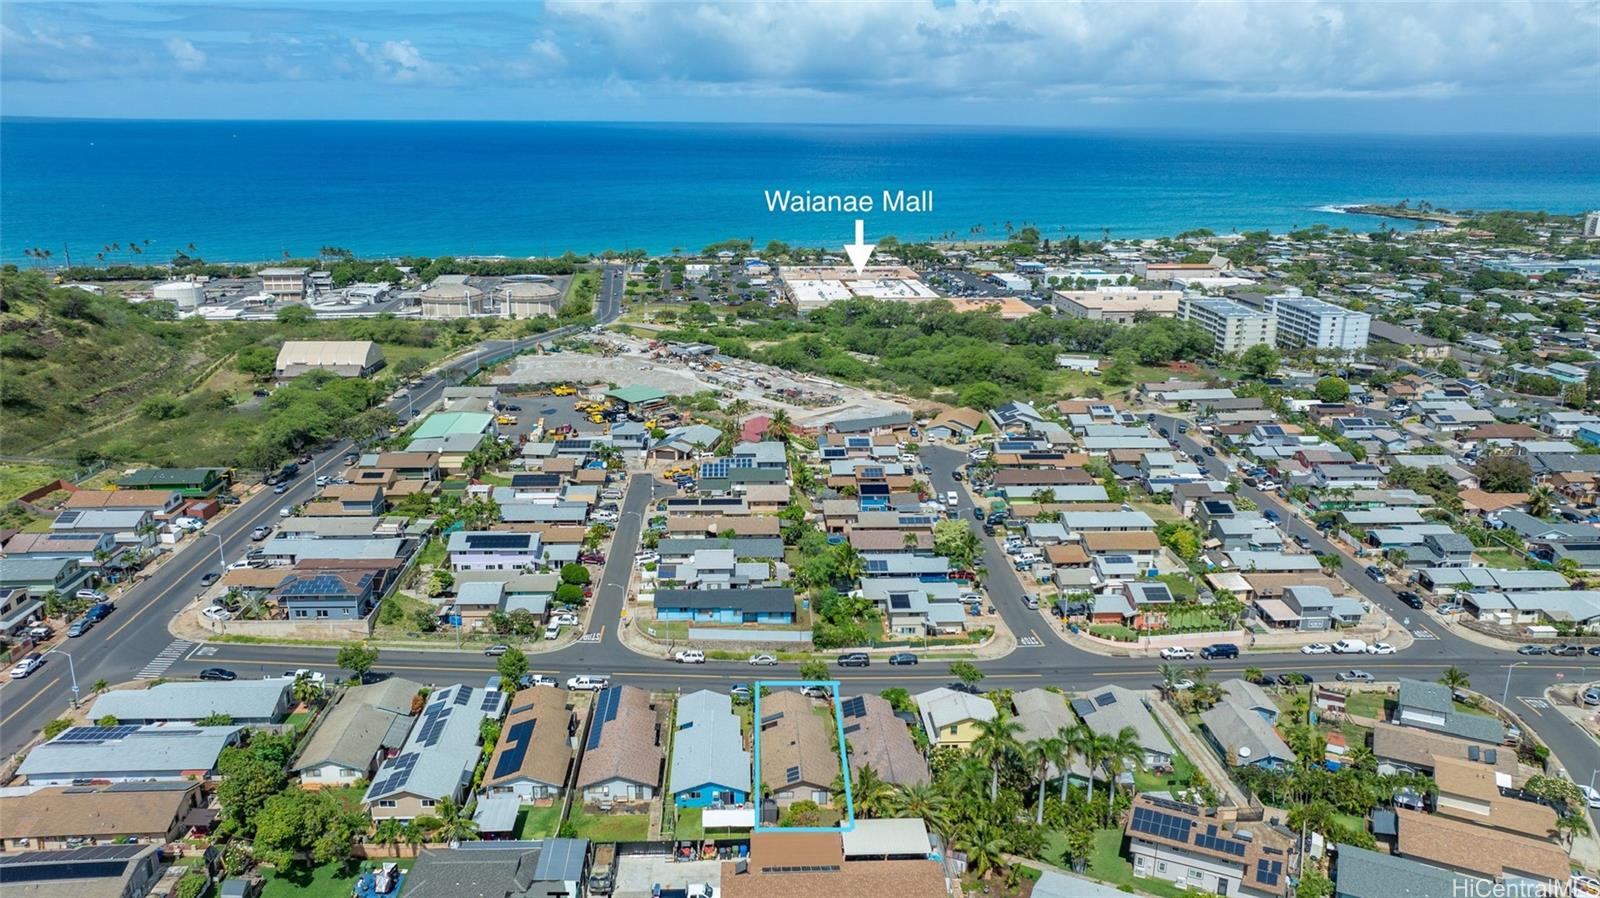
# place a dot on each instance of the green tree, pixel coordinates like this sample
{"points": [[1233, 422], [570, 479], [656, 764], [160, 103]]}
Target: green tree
{"points": [[813, 670], [1455, 678], [56, 727], [358, 658], [575, 574], [1259, 360], [1503, 474], [107, 720], [512, 665], [1332, 389], [996, 743], [802, 813], [986, 845], [296, 315], [389, 832], [1451, 368], [968, 673], [299, 822], [1120, 372], [982, 395]]}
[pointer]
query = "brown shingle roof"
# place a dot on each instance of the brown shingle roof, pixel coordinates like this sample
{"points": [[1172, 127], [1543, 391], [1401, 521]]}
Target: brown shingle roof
{"points": [[857, 879], [795, 736], [1503, 432], [1458, 845], [628, 748], [1486, 501], [1419, 748], [118, 499], [1113, 541], [545, 752], [131, 809], [1066, 554], [883, 741], [761, 525], [888, 540]]}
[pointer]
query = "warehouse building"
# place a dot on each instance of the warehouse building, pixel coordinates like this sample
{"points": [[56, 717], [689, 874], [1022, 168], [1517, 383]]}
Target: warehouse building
{"points": [[346, 358]]}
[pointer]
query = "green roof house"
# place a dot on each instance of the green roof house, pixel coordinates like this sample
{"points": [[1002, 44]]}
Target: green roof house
{"points": [[193, 483], [443, 424], [638, 398]]}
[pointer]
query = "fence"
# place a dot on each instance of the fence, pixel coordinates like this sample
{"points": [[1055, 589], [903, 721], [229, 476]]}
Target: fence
{"points": [[708, 634]]}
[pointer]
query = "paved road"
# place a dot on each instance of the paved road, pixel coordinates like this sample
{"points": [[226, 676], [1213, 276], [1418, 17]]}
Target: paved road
{"points": [[135, 640]]}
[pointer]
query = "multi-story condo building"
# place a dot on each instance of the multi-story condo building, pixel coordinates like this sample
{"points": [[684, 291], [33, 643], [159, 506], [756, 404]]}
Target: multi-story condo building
{"points": [[1118, 305], [287, 284], [1304, 321], [1233, 327]]}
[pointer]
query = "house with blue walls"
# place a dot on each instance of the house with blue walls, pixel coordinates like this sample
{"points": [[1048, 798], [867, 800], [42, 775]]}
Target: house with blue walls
{"points": [[765, 605], [710, 766]]}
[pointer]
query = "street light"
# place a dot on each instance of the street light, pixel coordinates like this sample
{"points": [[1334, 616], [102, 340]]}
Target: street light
{"points": [[72, 669], [222, 562], [1506, 693]]}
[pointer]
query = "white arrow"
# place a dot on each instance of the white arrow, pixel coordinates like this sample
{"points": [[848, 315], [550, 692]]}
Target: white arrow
{"points": [[860, 251]]}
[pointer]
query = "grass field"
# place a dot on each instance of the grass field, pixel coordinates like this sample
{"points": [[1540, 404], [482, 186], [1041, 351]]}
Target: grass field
{"points": [[327, 881], [1502, 558], [1107, 864], [1182, 769], [1368, 704], [538, 822], [610, 827], [689, 823], [16, 479]]}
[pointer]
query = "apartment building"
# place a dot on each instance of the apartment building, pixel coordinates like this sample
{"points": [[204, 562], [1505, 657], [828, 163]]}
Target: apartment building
{"points": [[1233, 327], [1117, 305], [287, 284], [1304, 321]]}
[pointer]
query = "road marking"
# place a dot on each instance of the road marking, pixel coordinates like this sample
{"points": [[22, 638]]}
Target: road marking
{"points": [[168, 657], [1031, 641], [204, 651], [24, 706], [1538, 705], [1420, 633]]}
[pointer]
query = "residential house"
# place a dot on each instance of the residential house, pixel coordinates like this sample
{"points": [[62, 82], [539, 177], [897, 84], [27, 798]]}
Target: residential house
{"points": [[1044, 714], [245, 701], [1515, 861], [1142, 547], [1470, 790], [348, 499], [57, 817], [1176, 842], [328, 595], [1359, 873], [951, 717], [792, 864], [438, 758], [363, 726], [955, 424], [160, 503], [762, 605], [1430, 706], [796, 752], [710, 765], [534, 754], [1110, 710], [622, 754], [548, 868], [192, 483], [1240, 727], [130, 753], [118, 871], [879, 738], [493, 550], [1408, 749]]}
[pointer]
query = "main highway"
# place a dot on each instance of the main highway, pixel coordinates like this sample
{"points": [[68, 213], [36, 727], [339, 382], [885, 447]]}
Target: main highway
{"points": [[135, 639]]}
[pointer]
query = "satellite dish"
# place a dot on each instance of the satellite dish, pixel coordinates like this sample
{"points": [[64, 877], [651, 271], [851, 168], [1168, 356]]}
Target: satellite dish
{"points": [[1244, 752]]}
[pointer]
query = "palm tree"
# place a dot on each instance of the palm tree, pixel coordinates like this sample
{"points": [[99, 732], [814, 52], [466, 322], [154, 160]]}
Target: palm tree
{"points": [[1075, 739], [1169, 674], [455, 823], [1040, 754], [389, 832], [414, 834], [1254, 674], [985, 845], [870, 794], [1455, 678], [1540, 500], [305, 690], [922, 800], [781, 425], [997, 740], [1119, 749]]}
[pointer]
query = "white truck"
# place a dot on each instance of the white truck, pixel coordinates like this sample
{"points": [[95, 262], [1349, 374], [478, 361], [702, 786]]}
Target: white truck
{"points": [[1350, 646]]}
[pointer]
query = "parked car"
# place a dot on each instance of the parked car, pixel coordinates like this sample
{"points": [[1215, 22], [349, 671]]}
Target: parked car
{"points": [[1594, 649], [1350, 646], [1316, 648], [216, 612], [1295, 677], [79, 627], [218, 673], [899, 659], [1380, 648], [1375, 572], [855, 659], [1354, 676], [90, 595], [1177, 653], [1532, 650], [1030, 601], [260, 533], [1591, 796], [689, 656], [279, 489], [1450, 608], [587, 683], [739, 691], [1411, 599], [188, 523], [1591, 696], [1271, 515], [1567, 650], [764, 660], [209, 579], [1219, 651], [496, 650], [27, 665], [286, 511]]}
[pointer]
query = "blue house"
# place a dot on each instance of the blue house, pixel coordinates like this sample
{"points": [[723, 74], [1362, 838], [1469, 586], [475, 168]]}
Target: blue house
{"points": [[766, 605], [328, 595], [710, 767]]}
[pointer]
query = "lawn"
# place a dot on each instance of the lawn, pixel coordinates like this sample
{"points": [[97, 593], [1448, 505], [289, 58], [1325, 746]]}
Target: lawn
{"points": [[298, 719], [1107, 864], [610, 827], [1114, 631], [16, 479], [1368, 704], [327, 881], [1502, 558], [433, 553], [537, 822], [1183, 587], [689, 823], [1182, 770]]}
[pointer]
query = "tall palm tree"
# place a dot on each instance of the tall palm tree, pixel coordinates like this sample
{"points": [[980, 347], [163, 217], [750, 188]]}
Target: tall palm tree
{"points": [[997, 740], [1075, 739], [389, 832], [1040, 754], [1540, 500], [781, 426], [455, 823], [1119, 750], [1455, 678], [414, 834]]}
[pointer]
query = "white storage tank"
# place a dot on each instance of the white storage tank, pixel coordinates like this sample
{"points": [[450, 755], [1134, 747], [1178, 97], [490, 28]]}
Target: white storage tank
{"points": [[186, 295]]}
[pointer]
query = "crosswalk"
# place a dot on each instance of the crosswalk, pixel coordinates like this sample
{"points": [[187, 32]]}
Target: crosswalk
{"points": [[168, 657], [1030, 642]]}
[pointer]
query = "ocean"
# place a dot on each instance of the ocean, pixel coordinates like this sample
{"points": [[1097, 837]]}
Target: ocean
{"points": [[261, 190]]}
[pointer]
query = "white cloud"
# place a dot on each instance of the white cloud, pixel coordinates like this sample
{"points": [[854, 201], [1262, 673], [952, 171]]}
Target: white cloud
{"points": [[188, 57], [400, 62]]}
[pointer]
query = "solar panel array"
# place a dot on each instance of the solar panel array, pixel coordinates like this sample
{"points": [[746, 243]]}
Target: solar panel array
{"points": [[491, 702], [396, 774], [1105, 698], [899, 601], [792, 775], [434, 718], [518, 737], [1268, 872], [852, 728], [1155, 823], [605, 711], [1210, 841], [463, 696], [854, 707], [911, 520], [97, 734], [771, 720], [877, 565], [317, 585], [496, 540]]}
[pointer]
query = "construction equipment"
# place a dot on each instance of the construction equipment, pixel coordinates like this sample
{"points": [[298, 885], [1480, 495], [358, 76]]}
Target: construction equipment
{"points": [[506, 419], [565, 390]]}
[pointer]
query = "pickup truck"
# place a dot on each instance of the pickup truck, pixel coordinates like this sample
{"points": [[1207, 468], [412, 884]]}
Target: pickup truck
{"points": [[603, 870]]}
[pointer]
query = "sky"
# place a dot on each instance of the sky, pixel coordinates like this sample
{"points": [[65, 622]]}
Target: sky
{"points": [[1515, 67]]}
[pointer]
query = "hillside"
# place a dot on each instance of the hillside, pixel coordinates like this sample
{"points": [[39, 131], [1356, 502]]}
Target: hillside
{"points": [[86, 377]]}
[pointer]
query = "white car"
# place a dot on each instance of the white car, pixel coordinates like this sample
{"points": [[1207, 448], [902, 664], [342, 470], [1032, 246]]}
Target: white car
{"points": [[188, 523], [588, 683], [214, 612], [690, 656], [1177, 653], [241, 564], [566, 619], [1316, 648], [764, 660], [1183, 685], [286, 511], [1590, 795], [644, 558], [1380, 648], [27, 665]]}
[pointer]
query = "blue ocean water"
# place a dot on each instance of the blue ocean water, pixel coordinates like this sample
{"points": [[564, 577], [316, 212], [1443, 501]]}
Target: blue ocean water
{"points": [[257, 190]]}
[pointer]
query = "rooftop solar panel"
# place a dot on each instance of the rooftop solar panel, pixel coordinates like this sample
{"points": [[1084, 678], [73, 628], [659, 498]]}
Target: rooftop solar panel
{"points": [[497, 540], [854, 707], [1105, 698], [792, 775], [518, 738], [463, 695], [604, 712], [491, 702], [1155, 823]]}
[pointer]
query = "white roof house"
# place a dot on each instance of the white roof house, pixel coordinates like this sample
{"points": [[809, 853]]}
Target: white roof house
{"points": [[246, 701]]}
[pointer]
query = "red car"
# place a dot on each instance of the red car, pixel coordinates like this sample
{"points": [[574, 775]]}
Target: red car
{"points": [[592, 558], [962, 575]]}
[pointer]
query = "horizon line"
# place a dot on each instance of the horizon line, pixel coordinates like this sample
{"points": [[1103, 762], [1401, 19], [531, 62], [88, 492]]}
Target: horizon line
{"points": [[1132, 129]]}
